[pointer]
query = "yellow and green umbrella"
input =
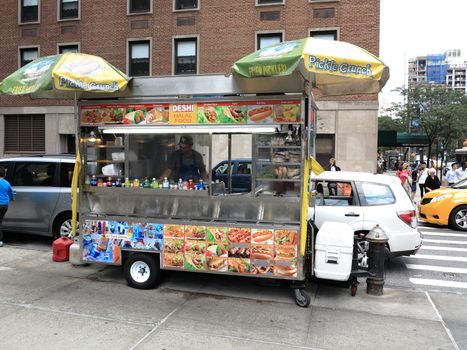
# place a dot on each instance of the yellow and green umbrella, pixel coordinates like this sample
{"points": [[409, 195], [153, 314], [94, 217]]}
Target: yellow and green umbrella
{"points": [[335, 67], [66, 76]]}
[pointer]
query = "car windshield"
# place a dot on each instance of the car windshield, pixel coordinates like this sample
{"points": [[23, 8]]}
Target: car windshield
{"points": [[461, 184]]}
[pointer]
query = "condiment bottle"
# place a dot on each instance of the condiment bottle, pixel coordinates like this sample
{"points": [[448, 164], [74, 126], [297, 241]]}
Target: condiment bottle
{"points": [[191, 184], [127, 183]]}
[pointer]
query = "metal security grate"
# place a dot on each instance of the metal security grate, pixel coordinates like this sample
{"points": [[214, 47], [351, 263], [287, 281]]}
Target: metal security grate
{"points": [[25, 133]]}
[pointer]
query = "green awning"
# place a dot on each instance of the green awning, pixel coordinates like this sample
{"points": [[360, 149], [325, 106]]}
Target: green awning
{"points": [[394, 139]]}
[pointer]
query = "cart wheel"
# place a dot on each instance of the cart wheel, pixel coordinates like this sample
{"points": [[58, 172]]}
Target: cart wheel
{"points": [[302, 298], [142, 271]]}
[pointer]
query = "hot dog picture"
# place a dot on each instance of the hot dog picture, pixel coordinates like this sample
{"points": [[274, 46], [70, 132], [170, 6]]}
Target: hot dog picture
{"points": [[286, 270], [262, 251], [262, 236], [259, 113], [286, 252], [239, 235]]}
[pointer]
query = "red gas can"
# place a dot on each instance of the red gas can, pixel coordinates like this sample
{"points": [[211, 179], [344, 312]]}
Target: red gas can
{"points": [[61, 249]]}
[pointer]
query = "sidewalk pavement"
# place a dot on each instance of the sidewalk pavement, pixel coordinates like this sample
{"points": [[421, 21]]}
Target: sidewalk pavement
{"points": [[49, 305]]}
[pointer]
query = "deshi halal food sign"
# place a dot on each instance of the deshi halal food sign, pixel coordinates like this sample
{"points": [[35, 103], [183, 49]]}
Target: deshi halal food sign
{"points": [[317, 64]]}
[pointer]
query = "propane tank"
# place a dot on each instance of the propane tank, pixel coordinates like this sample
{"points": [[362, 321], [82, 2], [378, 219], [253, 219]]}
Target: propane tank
{"points": [[76, 253], [61, 249]]}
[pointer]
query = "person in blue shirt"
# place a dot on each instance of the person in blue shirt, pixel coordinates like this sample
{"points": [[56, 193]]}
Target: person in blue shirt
{"points": [[6, 194]]}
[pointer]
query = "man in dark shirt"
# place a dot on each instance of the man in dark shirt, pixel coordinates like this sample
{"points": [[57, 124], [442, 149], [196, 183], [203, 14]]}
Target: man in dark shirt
{"points": [[185, 163]]}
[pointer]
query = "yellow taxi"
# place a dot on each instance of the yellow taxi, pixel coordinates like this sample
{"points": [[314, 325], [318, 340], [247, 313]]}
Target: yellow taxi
{"points": [[446, 206]]}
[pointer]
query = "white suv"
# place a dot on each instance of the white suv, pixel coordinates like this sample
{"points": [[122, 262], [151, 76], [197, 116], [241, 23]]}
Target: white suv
{"points": [[363, 200]]}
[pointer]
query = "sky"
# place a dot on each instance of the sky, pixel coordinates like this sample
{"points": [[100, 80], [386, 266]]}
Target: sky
{"points": [[411, 28]]}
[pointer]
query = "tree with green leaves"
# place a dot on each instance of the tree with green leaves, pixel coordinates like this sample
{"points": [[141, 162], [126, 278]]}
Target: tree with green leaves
{"points": [[436, 110]]}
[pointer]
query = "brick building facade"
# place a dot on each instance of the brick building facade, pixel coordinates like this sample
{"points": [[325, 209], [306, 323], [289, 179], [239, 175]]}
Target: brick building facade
{"points": [[223, 31]]}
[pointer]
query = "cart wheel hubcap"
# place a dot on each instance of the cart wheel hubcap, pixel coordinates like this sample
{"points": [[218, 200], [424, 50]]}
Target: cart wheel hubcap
{"points": [[140, 271]]}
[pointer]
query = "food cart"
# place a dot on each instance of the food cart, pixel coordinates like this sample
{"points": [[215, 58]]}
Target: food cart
{"points": [[129, 215]]}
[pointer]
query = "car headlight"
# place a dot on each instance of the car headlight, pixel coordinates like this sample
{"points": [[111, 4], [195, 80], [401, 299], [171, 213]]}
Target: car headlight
{"points": [[441, 198]]}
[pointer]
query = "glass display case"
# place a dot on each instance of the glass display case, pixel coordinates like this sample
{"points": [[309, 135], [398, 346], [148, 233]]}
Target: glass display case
{"points": [[278, 159]]}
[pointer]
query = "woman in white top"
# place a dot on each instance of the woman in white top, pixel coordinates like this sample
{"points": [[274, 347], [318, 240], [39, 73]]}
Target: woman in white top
{"points": [[423, 174]]}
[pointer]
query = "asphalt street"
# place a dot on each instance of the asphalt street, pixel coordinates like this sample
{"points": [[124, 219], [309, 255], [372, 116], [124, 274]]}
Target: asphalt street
{"points": [[50, 305]]}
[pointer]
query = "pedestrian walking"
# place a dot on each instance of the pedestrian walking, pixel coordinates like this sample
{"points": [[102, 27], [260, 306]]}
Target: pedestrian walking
{"points": [[461, 173], [423, 174], [451, 176], [414, 175], [403, 174], [6, 195], [432, 181]]}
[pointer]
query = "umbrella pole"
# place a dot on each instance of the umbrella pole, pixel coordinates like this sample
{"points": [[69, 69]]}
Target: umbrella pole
{"points": [[76, 171]]}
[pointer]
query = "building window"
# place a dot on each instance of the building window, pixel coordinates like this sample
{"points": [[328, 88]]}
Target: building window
{"points": [[68, 48], [185, 56], [139, 6], [28, 55], [29, 11], [69, 9], [139, 58], [324, 34], [25, 133], [270, 2], [267, 39], [186, 5]]}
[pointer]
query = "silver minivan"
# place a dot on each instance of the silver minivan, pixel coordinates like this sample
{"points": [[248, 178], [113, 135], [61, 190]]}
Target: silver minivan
{"points": [[41, 185]]}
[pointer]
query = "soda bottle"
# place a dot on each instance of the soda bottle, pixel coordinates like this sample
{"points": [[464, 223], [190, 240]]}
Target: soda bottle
{"points": [[154, 184], [93, 181], [109, 182], [146, 183], [135, 182], [201, 185], [165, 183], [118, 182], [127, 183], [100, 182], [191, 184], [180, 184]]}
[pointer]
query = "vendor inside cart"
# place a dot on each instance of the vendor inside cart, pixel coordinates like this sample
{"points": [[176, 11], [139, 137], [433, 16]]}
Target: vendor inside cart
{"points": [[185, 163]]}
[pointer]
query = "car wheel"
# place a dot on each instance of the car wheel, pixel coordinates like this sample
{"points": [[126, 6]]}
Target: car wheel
{"points": [[458, 218], [142, 271], [62, 226]]}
